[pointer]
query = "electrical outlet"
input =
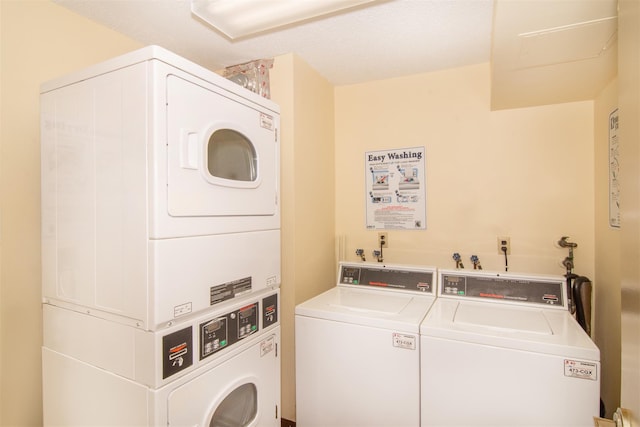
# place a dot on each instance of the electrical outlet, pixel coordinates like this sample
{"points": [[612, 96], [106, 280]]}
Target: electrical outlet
{"points": [[383, 240], [504, 242]]}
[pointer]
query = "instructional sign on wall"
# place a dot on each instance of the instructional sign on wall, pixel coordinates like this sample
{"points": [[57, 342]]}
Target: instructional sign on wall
{"points": [[614, 171], [396, 189]]}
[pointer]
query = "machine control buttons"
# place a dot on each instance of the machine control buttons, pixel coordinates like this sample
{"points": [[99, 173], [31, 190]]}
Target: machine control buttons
{"points": [[247, 320], [223, 331], [507, 287], [213, 336], [391, 278]]}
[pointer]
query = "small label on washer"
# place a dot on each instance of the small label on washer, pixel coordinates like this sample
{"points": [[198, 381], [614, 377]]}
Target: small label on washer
{"points": [[229, 290], [404, 341], [182, 309], [267, 346], [579, 369], [272, 281], [266, 121]]}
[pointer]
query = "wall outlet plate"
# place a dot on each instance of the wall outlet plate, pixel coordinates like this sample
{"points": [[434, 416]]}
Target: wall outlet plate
{"points": [[504, 242], [383, 239]]}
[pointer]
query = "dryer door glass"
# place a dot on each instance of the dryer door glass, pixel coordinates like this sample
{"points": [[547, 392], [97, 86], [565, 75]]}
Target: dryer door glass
{"points": [[239, 408], [230, 155]]}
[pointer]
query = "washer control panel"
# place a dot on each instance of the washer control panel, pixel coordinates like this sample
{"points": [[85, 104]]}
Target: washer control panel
{"points": [[504, 287], [418, 279], [223, 331]]}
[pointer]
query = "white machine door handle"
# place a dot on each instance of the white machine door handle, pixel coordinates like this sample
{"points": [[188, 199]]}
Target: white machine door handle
{"points": [[188, 149]]}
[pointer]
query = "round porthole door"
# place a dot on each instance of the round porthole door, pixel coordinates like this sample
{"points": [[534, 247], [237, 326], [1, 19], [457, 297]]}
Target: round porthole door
{"points": [[231, 156], [238, 409]]}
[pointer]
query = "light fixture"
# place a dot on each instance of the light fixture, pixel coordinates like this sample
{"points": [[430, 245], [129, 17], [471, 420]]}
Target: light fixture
{"points": [[237, 18]]}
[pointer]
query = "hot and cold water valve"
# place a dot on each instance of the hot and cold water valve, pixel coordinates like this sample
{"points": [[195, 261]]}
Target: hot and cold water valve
{"points": [[474, 260], [458, 259]]}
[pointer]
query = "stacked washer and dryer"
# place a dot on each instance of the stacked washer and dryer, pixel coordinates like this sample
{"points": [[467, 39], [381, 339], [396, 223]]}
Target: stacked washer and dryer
{"points": [[160, 247], [492, 349]]}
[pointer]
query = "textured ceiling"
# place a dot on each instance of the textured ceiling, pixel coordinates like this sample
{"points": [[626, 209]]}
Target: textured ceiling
{"points": [[387, 39], [541, 51]]}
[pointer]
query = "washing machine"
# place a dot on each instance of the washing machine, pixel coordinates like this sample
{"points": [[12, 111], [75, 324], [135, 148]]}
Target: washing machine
{"points": [[160, 190], [358, 347], [502, 349], [219, 369]]}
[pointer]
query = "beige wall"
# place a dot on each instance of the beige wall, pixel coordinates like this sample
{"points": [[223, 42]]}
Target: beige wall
{"points": [[606, 319], [629, 104], [524, 173], [40, 41], [308, 265]]}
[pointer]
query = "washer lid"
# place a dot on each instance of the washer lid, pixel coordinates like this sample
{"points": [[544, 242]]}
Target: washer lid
{"points": [[508, 319], [540, 330], [364, 302], [368, 307]]}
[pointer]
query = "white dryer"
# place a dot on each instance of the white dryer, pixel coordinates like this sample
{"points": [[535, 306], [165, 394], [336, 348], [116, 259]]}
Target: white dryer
{"points": [[503, 350], [358, 348], [220, 369], [160, 190]]}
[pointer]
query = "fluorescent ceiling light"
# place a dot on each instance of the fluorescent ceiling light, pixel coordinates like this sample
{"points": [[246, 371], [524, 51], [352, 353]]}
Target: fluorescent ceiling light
{"points": [[237, 18]]}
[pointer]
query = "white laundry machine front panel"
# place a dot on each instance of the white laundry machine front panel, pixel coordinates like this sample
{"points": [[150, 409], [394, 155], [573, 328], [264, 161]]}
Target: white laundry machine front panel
{"points": [[467, 384], [240, 168], [242, 391], [355, 376], [129, 124], [99, 372], [503, 350], [358, 348], [192, 275], [107, 159], [156, 358], [94, 184], [79, 394]]}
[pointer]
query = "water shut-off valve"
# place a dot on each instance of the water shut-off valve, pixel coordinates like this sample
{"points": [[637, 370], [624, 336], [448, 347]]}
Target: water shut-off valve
{"points": [[476, 262], [458, 259]]}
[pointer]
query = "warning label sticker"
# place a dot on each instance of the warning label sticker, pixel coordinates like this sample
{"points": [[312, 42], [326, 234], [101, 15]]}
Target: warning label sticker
{"points": [[579, 369], [229, 290], [404, 341], [267, 346]]}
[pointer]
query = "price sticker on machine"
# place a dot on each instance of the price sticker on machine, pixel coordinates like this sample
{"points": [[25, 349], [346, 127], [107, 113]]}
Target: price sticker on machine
{"points": [[579, 369], [404, 341]]}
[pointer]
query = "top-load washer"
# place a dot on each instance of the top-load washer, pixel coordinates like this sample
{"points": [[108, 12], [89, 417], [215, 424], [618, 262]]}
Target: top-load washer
{"points": [[160, 189], [503, 350], [358, 347]]}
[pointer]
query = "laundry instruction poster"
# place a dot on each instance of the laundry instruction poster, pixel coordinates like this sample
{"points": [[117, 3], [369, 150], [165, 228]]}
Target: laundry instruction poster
{"points": [[396, 189]]}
